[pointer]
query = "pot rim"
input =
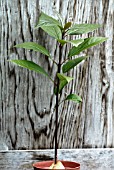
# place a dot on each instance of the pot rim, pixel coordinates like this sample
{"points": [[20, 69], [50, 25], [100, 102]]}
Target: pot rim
{"points": [[76, 164]]}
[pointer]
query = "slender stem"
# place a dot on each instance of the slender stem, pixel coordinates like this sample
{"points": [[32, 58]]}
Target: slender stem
{"points": [[54, 61], [52, 80], [57, 103], [61, 102], [64, 61]]}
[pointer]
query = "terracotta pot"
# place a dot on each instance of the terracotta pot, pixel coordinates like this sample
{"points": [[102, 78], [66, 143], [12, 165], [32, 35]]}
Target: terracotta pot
{"points": [[67, 164]]}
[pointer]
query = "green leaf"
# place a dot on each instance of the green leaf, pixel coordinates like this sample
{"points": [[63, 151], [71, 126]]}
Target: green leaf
{"points": [[67, 25], [88, 42], [62, 42], [31, 66], [73, 42], [33, 46], [82, 28], [72, 63], [74, 97], [46, 20], [76, 42], [64, 80], [53, 31], [62, 77]]}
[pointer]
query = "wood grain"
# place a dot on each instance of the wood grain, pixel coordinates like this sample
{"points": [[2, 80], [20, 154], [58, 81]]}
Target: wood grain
{"points": [[26, 98], [99, 159]]}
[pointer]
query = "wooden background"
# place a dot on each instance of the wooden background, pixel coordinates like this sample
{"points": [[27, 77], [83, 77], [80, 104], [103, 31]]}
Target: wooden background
{"points": [[26, 98]]}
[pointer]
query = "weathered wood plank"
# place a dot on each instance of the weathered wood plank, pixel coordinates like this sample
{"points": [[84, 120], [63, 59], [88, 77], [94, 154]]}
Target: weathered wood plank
{"points": [[90, 159], [26, 99]]}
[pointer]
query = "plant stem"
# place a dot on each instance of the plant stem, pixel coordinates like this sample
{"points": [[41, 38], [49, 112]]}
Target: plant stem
{"points": [[52, 80], [61, 102], [54, 61], [57, 103], [64, 61]]}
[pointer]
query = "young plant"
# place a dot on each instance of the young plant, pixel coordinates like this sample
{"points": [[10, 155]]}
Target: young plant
{"points": [[59, 31]]}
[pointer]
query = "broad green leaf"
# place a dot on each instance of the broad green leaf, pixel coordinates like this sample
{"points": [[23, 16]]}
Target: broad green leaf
{"points": [[33, 46], [72, 63], [67, 25], [63, 77], [82, 28], [76, 42], [45, 20], [63, 81], [73, 42], [62, 42], [74, 97], [31, 66], [53, 31], [88, 42]]}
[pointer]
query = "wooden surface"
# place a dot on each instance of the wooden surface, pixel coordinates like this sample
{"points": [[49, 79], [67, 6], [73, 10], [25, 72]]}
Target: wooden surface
{"points": [[90, 159], [26, 98]]}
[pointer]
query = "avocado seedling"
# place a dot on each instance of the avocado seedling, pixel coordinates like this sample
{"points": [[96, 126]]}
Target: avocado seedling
{"points": [[63, 33]]}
